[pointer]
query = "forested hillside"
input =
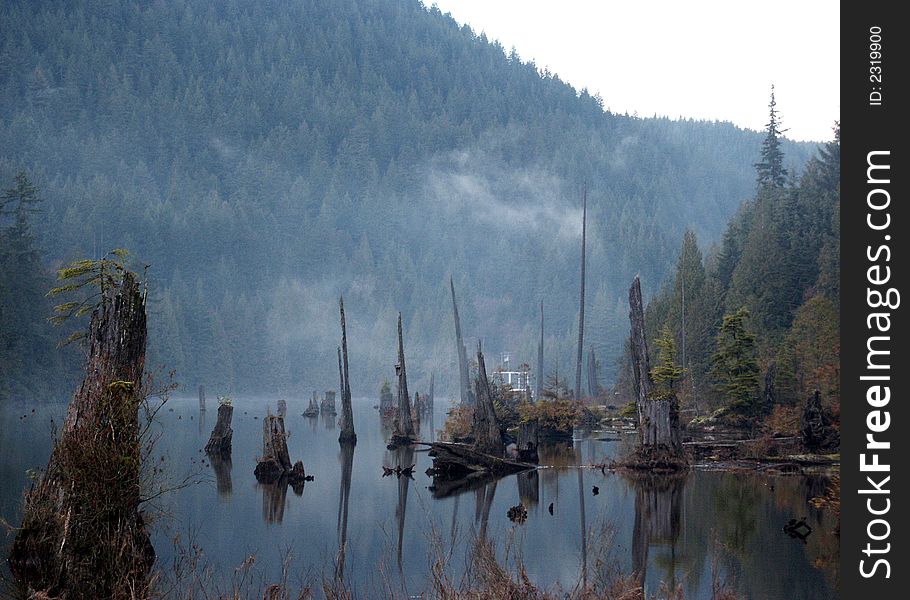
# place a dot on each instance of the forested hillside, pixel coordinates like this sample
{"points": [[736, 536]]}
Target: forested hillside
{"points": [[266, 157]]}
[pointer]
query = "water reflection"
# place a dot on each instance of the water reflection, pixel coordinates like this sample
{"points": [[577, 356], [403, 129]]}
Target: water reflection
{"points": [[346, 457], [404, 456], [658, 502], [680, 532], [529, 487], [222, 468], [274, 499], [483, 501]]}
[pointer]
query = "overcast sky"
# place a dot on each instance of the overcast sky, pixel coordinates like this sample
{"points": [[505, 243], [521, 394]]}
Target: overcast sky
{"points": [[703, 59]]}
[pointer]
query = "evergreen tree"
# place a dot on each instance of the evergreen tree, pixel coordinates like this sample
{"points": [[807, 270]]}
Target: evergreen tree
{"points": [[666, 372], [770, 170], [735, 367]]}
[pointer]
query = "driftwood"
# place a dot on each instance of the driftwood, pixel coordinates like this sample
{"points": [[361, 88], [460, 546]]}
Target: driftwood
{"points": [[581, 299], [658, 415], [347, 434], [464, 380], [82, 533], [220, 441], [404, 426]]}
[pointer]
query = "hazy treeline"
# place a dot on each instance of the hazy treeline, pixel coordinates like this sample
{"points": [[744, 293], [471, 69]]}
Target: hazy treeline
{"points": [[266, 157]]}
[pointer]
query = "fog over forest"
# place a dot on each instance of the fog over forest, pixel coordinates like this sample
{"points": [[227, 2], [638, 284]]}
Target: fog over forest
{"points": [[265, 158]]}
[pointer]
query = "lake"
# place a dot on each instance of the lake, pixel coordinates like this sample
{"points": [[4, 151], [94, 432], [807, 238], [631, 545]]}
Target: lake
{"points": [[693, 532]]}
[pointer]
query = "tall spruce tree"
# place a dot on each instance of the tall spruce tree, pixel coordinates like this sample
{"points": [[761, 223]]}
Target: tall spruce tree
{"points": [[770, 169]]}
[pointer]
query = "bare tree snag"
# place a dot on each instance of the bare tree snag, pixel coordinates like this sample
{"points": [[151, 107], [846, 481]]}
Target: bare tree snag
{"points": [[593, 384], [347, 434], [404, 425], [275, 463], [487, 436], [201, 398], [82, 533], [581, 299], [464, 380], [658, 415], [540, 374], [282, 408], [220, 441]]}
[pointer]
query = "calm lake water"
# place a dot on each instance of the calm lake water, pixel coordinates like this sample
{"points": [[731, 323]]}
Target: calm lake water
{"points": [[706, 527]]}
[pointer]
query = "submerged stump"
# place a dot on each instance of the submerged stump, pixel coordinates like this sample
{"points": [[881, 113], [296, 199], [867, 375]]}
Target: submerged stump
{"points": [[275, 463], [219, 443]]}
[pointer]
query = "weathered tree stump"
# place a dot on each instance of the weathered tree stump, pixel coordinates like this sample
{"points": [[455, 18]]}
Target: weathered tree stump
{"points": [[201, 398], [220, 441], [275, 460], [658, 415], [487, 435], [528, 442], [282, 408], [328, 404], [404, 433], [818, 434], [312, 410], [82, 533]]}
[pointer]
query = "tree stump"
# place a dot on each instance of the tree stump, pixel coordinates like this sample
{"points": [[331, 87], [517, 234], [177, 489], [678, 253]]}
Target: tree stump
{"points": [[220, 441], [275, 461], [658, 415], [82, 534], [818, 434]]}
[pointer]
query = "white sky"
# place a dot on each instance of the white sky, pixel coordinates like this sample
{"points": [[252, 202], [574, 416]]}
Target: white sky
{"points": [[705, 59]]}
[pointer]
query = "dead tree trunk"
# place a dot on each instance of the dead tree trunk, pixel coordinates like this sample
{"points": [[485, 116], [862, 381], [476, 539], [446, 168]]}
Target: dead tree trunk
{"points": [[540, 374], [275, 462], [220, 440], [404, 425], [282, 408], [658, 416], [593, 384], [487, 437], [464, 381], [432, 396], [82, 534], [347, 434], [581, 300], [201, 398]]}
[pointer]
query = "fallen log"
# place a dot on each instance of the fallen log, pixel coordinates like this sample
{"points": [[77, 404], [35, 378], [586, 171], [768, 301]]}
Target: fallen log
{"points": [[454, 460]]}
